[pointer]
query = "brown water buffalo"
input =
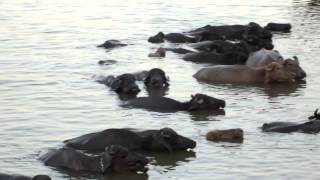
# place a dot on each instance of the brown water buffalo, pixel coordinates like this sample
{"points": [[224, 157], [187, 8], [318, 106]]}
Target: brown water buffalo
{"points": [[21, 177], [115, 159], [161, 52], [164, 139], [273, 72], [264, 57], [228, 135]]}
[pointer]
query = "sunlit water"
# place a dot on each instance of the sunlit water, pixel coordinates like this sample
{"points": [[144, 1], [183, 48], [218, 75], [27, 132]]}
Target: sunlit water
{"points": [[48, 93]]}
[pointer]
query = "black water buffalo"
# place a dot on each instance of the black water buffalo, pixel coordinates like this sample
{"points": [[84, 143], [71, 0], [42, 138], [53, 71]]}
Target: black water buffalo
{"points": [[156, 78], [165, 139], [228, 58], [111, 44], [219, 46], [231, 32], [311, 127], [197, 102], [122, 84], [172, 37], [107, 62], [115, 159], [158, 38], [21, 177], [283, 27]]}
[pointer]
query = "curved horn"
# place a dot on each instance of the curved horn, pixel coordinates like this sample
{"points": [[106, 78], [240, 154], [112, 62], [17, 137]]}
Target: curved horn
{"points": [[316, 115]]}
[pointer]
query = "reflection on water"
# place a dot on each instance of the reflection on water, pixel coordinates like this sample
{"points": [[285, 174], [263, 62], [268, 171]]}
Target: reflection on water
{"points": [[171, 160], [270, 90], [204, 115], [284, 89]]}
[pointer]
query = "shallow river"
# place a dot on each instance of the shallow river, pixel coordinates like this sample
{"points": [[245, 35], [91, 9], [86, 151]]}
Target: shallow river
{"points": [[48, 94]]}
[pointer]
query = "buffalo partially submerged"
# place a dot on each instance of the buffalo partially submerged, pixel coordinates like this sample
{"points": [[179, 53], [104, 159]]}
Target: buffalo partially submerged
{"points": [[228, 58], [231, 32], [115, 159], [271, 73], [164, 139], [21, 177], [122, 84], [264, 57], [171, 37], [283, 27], [197, 102], [156, 78], [311, 127], [111, 44]]}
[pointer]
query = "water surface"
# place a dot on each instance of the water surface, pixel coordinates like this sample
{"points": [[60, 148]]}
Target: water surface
{"points": [[48, 94]]}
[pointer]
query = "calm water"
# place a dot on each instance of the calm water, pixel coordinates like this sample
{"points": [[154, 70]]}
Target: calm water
{"points": [[48, 94]]}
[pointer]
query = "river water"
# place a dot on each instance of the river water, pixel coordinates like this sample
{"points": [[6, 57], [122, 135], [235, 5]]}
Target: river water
{"points": [[48, 94]]}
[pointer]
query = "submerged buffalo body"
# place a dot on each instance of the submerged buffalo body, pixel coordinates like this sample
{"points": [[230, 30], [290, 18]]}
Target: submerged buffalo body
{"points": [[288, 127], [312, 126], [111, 44], [164, 139], [228, 58], [197, 102], [21, 177], [115, 159]]}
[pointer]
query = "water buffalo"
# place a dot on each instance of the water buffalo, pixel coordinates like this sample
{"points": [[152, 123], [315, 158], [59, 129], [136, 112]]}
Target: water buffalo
{"points": [[161, 52], [21, 177], [273, 72], [122, 84], [107, 62], [231, 32], [228, 135], [228, 58], [283, 27], [158, 38], [171, 37], [197, 102], [264, 57], [115, 159], [165, 139], [156, 78], [311, 127], [111, 44]]}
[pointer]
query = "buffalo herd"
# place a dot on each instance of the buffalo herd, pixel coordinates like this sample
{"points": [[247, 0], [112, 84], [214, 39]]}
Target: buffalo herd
{"points": [[237, 53]]}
